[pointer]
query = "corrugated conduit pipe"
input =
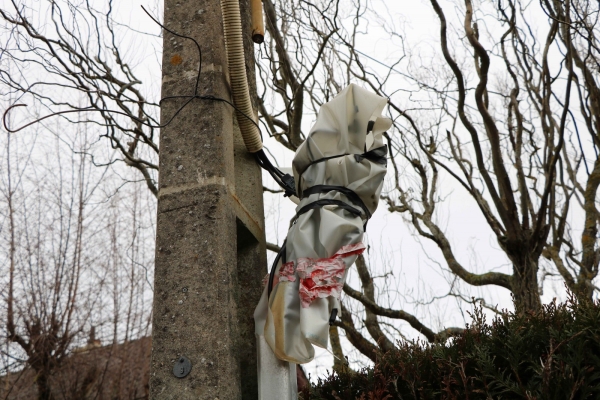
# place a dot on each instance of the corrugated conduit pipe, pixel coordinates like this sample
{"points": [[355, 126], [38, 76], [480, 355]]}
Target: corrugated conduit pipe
{"points": [[234, 45]]}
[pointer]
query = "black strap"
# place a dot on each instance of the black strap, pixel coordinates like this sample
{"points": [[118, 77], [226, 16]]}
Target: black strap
{"points": [[354, 198], [320, 160], [333, 315], [378, 155], [326, 202]]}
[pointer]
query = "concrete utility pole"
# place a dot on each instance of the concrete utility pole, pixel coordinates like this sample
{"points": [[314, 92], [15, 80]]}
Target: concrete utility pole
{"points": [[210, 247]]}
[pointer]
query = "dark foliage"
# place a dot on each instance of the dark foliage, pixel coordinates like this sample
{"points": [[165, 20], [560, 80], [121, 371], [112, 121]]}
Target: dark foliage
{"points": [[550, 354]]}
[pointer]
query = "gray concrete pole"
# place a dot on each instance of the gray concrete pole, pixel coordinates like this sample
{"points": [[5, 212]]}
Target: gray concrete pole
{"points": [[210, 247]]}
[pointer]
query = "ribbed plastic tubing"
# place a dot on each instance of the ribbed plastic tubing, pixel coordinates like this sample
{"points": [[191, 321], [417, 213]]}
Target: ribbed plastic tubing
{"points": [[232, 26]]}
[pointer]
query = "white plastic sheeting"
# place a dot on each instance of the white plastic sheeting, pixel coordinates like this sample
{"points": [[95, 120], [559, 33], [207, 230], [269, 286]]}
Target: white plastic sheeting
{"points": [[338, 172], [277, 379]]}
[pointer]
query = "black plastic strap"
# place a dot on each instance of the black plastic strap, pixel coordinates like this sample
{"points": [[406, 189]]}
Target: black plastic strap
{"points": [[320, 160], [378, 155], [354, 198], [326, 202], [333, 316]]}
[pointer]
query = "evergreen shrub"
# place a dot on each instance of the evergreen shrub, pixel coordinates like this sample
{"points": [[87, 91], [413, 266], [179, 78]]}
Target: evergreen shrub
{"points": [[553, 354]]}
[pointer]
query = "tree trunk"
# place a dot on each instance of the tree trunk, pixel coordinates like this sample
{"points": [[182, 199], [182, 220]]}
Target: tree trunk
{"points": [[525, 285], [43, 386]]}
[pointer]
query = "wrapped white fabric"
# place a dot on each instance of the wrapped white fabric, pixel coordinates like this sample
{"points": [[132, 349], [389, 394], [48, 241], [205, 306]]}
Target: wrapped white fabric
{"points": [[339, 166], [277, 379]]}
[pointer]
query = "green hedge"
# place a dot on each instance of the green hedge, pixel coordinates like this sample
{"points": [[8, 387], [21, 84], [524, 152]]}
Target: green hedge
{"points": [[551, 354]]}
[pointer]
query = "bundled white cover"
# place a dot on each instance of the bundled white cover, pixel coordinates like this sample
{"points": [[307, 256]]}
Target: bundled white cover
{"points": [[324, 239]]}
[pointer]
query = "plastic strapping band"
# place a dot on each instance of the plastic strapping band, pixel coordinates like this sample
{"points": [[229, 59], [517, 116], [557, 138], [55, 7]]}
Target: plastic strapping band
{"points": [[326, 202], [376, 155], [320, 160], [333, 316], [354, 198]]}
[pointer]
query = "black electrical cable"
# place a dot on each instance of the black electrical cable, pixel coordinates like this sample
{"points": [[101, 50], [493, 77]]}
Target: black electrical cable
{"points": [[285, 181], [280, 254]]}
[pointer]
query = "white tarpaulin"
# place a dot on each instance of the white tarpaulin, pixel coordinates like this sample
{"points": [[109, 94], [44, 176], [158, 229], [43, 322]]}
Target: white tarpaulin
{"points": [[338, 172]]}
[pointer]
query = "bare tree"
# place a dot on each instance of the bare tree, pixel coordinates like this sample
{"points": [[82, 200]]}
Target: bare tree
{"points": [[45, 259], [68, 266], [75, 48], [506, 108]]}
